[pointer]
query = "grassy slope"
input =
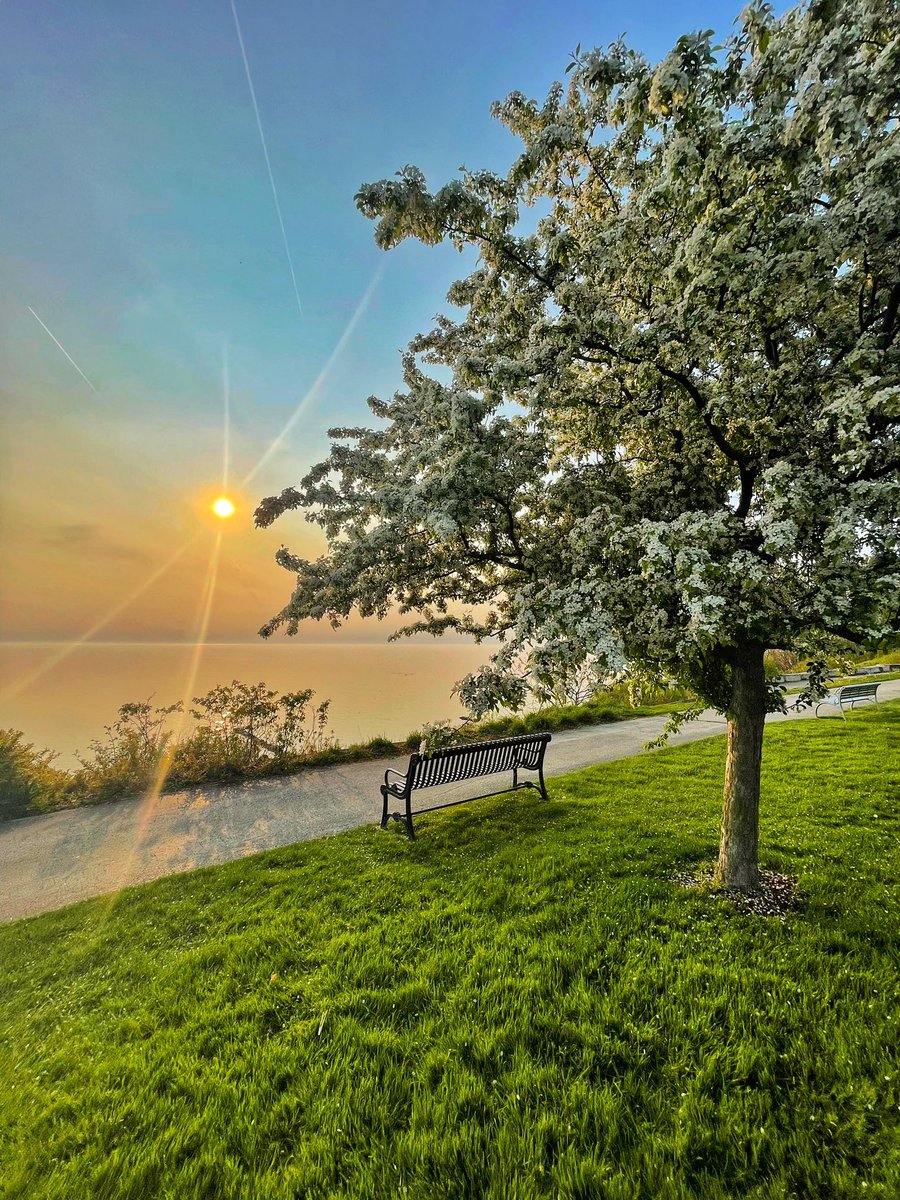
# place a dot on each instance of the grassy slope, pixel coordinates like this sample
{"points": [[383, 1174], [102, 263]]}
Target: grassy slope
{"points": [[887, 677], [517, 1005]]}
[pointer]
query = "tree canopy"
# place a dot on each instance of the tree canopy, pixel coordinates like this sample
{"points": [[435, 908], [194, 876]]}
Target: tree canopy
{"points": [[671, 427]]}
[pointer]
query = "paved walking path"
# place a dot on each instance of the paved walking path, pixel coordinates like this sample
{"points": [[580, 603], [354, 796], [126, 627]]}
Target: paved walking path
{"points": [[50, 861]]}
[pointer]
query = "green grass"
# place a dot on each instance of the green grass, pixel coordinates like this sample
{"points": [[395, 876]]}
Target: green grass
{"points": [[883, 656], [841, 681], [604, 709], [884, 677], [520, 1004]]}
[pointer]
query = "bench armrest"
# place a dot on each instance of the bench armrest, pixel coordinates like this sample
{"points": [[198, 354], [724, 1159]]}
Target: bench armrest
{"points": [[398, 788]]}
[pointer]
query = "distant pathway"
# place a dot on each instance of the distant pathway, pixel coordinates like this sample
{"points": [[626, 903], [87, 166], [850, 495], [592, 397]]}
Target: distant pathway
{"points": [[50, 861]]}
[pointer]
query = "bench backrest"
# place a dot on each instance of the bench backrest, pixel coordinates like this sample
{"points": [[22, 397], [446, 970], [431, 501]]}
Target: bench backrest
{"points": [[480, 758], [858, 690]]}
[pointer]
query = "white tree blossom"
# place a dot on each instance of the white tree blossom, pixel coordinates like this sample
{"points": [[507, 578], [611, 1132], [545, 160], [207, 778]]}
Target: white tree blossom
{"points": [[671, 435]]}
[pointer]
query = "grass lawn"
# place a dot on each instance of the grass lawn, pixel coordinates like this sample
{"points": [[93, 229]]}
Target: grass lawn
{"points": [[886, 677], [520, 1004]]}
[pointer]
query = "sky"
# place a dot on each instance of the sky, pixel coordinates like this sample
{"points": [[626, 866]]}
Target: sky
{"points": [[179, 239]]}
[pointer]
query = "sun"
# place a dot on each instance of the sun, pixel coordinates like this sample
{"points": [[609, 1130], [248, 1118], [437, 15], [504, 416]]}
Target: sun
{"points": [[223, 507]]}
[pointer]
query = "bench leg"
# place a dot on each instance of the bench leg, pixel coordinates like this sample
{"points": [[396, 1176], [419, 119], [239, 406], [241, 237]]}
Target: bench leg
{"points": [[407, 820], [384, 811], [544, 795]]}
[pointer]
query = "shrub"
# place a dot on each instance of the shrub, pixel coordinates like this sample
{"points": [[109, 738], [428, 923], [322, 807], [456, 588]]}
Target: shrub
{"points": [[29, 782], [781, 662], [380, 745], [242, 729], [247, 729], [129, 759]]}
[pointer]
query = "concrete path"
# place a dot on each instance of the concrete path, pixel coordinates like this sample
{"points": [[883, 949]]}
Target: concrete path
{"points": [[50, 861]]}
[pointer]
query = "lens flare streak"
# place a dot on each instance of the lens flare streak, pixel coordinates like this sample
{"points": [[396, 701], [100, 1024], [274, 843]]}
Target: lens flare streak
{"points": [[120, 877], [321, 377]]}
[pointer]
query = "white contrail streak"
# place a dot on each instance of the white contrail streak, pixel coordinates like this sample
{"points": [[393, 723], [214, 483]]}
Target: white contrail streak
{"points": [[262, 138], [323, 374], [62, 347]]}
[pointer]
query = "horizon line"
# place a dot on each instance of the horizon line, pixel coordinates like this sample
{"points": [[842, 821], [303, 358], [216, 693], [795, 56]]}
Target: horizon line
{"points": [[260, 642]]}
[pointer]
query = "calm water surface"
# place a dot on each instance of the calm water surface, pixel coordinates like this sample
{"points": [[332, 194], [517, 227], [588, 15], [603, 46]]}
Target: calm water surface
{"points": [[374, 690]]}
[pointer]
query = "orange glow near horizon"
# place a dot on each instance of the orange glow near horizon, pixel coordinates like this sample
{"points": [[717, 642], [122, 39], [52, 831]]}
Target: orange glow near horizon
{"points": [[71, 646]]}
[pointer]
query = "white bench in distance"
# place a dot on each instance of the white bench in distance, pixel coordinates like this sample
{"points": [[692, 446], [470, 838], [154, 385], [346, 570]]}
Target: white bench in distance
{"points": [[851, 694]]}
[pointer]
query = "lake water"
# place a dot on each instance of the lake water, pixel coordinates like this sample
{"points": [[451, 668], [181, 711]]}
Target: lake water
{"points": [[374, 690]]}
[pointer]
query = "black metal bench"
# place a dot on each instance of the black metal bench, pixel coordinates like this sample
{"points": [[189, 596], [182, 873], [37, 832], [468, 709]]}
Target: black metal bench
{"points": [[850, 694], [456, 763]]}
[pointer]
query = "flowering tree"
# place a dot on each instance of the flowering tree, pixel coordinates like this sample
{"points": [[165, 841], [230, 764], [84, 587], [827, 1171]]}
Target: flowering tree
{"points": [[671, 433]]}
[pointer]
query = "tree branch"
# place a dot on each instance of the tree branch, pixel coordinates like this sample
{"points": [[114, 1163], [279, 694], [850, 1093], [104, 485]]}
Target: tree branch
{"points": [[890, 314]]}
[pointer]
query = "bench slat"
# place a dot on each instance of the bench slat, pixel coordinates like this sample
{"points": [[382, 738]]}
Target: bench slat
{"points": [[471, 762]]}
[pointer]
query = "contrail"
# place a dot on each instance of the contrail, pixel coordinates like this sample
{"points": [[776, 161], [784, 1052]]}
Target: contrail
{"points": [[262, 138], [323, 374], [62, 347]]}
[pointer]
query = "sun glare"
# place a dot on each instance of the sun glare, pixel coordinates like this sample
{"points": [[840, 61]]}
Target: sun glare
{"points": [[223, 507]]}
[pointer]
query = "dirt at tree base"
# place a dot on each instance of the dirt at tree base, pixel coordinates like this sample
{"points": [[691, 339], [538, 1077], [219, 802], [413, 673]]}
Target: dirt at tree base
{"points": [[776, 896]]}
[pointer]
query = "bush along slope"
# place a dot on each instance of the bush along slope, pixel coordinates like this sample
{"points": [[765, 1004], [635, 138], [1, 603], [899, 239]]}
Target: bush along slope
{"points": [[245, 731]]}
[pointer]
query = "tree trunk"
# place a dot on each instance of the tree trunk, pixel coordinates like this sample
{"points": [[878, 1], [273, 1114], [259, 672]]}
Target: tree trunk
{"points": [[738, 865]]}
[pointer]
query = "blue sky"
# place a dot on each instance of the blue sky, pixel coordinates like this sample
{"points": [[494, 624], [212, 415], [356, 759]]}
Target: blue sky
{"points": [[139, 225]]}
